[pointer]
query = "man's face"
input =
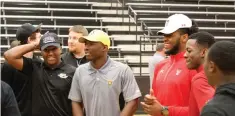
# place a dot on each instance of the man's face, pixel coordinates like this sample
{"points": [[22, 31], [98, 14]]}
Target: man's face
{"points": [[210, 71], [193, 54], [172, 43], [94, 50], [35, 37], [51, 55], [73, 42]]}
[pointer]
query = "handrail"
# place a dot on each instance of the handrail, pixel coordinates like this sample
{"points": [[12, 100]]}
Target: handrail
{"points": [[203, 28], [46, 2], [50, 17], [8, 46], [50, 9], [199, 20], [184, 12], [181, 5], [216, 37], [13, 35], [54, 26]]}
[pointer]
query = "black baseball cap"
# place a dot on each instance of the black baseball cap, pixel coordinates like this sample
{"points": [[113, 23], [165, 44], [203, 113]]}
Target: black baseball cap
{"points": [[49, 39], [25, 30]]}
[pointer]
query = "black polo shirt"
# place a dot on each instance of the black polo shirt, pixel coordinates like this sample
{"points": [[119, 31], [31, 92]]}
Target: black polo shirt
{"points": [[50, 88], [69, 58], [21, 85], [9, 105]]}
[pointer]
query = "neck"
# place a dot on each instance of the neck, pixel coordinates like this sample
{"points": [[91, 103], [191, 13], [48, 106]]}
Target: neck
{"points": [[200, 66], [182, 48], [79, 54], [54, 66], [97, 64], [225, 79], [161, 53]]}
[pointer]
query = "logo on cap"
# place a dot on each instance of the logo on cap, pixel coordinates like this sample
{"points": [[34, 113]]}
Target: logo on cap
{"points": [[48, 39]]}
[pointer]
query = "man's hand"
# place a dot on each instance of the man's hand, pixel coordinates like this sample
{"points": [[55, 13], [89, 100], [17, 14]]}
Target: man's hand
{"points": [[151, 105], [149, 98]]}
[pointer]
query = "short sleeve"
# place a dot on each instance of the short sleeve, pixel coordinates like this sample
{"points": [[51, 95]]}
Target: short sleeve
{"points": [[130, 87], [75, 92], [27, 66], [210, 110], [7, 73], [9, 104]]}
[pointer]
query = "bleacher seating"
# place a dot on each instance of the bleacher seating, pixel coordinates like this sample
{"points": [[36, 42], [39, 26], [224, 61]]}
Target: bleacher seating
{"points": [[132, 26]]}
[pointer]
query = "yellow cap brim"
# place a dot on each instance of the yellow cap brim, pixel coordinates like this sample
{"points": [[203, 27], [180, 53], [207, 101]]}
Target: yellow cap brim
{"points": [[86, 38]]}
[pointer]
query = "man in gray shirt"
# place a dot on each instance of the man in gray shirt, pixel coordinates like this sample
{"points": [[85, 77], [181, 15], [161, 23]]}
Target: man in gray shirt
{"points": [[157, 57], [97, 84]]}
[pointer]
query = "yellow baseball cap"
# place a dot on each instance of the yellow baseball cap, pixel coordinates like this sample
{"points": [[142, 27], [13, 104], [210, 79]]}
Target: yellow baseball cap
{"points": [[96, 36]]}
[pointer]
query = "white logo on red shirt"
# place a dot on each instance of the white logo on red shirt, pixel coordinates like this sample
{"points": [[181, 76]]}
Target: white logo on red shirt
{"points": [[178, 71]]}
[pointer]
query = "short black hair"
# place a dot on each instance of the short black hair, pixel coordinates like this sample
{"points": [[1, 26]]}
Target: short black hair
{"points": [[203, 38], [189, 31], [222, 53]]}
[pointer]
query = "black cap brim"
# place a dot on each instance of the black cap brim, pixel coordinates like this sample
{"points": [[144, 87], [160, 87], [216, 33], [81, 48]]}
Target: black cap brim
{"points": [[50, 44]]}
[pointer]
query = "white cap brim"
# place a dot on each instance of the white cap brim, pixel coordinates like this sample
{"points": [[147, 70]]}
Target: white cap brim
{"points": [[167, 30]]}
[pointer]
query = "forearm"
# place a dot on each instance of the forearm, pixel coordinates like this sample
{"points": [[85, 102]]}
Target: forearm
{"points": [[18, 51], [77, 109], [14, 56], [130, 108], [178, 111]]}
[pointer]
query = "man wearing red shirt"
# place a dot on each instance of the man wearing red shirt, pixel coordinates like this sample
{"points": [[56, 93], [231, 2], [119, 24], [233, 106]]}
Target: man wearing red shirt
{"points": [[172, 79], [201, 91]]}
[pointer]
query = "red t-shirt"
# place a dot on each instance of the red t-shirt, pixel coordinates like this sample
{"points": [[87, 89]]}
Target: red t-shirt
{"points": [[172, 84], [200, 93]]}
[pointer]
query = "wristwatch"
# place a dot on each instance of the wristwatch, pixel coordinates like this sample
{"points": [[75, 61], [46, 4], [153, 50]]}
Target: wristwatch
{"points": [[165, 111]]}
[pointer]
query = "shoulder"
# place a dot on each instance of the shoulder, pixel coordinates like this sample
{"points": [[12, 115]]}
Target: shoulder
{"points": [[4, 86], [119, 65], [65, 55], [199, 77], [212, 108]]}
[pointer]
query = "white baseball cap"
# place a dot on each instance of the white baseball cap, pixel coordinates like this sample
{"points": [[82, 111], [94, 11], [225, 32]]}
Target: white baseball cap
{"points": [[175, 22]]}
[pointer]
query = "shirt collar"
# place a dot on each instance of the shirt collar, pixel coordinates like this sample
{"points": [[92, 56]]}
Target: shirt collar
{"points": [[57, 67], [177, 56], [104, 69], [200, 68]]}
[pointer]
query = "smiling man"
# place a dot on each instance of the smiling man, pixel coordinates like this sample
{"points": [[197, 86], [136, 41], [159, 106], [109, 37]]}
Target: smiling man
{"points": [[76, 54], [51, 79], [196, 49], [172, 79], [98, 84]]}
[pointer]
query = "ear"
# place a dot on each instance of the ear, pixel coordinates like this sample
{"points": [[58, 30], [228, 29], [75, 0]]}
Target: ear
{"points": [[105, 48], [203, 53], [28, 40], [212, 67], [184, 38]]}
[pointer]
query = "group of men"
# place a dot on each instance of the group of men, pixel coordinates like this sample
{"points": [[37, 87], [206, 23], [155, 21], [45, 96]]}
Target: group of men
{"points": [[196, 79]]}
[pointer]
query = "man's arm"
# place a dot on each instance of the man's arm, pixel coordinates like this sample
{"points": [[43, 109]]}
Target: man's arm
{"points": [[211, 110], [130, 108], [202, 91], [77, 108], [14, 56], [9, 104], [75, 95], [131, 92]]}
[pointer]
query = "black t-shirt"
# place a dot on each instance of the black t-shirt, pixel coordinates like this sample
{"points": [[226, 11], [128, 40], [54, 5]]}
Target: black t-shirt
{"points": [[50, 88], [9, 105], [21, 85], [69, 58]]}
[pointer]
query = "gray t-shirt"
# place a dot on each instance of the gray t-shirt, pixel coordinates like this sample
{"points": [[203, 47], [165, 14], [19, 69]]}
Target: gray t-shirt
{"points": [[152, 63], [99, 90]]}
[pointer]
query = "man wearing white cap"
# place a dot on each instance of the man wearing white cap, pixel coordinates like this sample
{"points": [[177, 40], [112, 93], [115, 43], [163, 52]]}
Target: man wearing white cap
{"points": [[172, 79], [98, 84]]}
